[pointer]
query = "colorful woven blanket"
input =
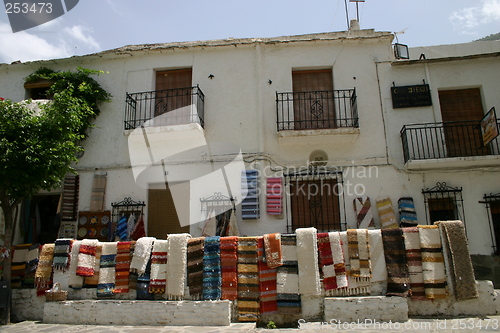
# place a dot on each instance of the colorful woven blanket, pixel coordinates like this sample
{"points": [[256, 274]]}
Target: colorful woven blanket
{"points": [[338, 260], [398, 280], [195, 267], [122, 268], [272, 243], [18, 266], [386, 213], [159, 258], [460, 266], [326, 262], [142, 253], [75, 281], [229, 262], [86, 257], [212, 278], [31, 266], [267, 282], [121, 230], [177, 265], [62, 250], [307, 259], [364, 215], [106, 285], [414, 260], [379, 269], [407, 213], [93, 281], [287, 278], [139, 231], [432, 262], [359, 255], [43, 273], [248, 279]]}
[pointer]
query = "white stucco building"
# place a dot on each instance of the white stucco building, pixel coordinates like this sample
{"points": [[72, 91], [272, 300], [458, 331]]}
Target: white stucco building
{"points": [[314, 110]]}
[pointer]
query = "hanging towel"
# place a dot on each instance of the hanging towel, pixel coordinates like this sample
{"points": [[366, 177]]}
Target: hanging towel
{"points": [[326, 262], [195, 267], [229, 262], [93, 281], [139, 231], [272, 243], [364, 215], [407, 213], [414, 260], [122, 269], [159, 258], [379, 269], [398, 279], [461, 270], [267, 282], [432, 262], [43, 273], [142, 253], [106, 284], [212, 278], [121, 230], [62, 250], [177, 265], [386, 213], [307, 259], [248, 279], [75, 281], [86, 257], [287, 278]]}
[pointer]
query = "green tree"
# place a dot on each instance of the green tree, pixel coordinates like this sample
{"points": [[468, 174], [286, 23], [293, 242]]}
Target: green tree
{"points": [[38, 147]]}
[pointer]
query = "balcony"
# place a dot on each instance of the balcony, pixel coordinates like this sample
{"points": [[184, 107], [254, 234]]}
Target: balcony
{"points": [[164, 108], [316, 110], [455, 141]]}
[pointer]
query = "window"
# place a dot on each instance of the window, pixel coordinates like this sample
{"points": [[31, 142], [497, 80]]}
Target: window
{"points": [[492, 202], [38, 89], [444, 203]]}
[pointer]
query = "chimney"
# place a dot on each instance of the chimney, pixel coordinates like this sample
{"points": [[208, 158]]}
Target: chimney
{"points": [[354, 25]]}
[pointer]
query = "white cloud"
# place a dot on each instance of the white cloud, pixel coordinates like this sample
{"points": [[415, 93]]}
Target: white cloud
{"points": [[78, 32], [486, 12], [27, 47]]}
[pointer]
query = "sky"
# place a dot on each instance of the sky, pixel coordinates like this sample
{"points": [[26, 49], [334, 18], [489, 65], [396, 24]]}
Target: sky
{"points": [[97, 25]]}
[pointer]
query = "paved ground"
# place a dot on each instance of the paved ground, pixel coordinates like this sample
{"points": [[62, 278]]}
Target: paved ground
{"points": [[455, 325]]}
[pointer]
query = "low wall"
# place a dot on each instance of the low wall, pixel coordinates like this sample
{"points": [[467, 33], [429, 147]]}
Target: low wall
{"points": [[376, 308]]}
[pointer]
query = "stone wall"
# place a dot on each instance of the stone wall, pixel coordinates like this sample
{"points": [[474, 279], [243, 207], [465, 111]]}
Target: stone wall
{"points": [[375, 308]]}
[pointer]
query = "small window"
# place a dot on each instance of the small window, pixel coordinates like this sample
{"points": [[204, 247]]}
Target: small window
{"points": [[492, 202], [444, 203], [38, 89]]}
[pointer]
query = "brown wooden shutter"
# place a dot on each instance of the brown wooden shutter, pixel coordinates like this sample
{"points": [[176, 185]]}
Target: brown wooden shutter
{"points": [[70, 198], [162, 215], [175, 87]]}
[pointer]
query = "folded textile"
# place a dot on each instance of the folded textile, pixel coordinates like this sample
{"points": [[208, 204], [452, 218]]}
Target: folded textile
{"points": [[379, 269], [106, 285], [142, 253], [432, 262], [75, 281], [18, 265], [407, 213], [121, 230], [212, 278], [359, 255], [414, 260], [287, 278], [364, 215], [139, 231], [86, 257], [272, 243], [195, 267], [159, 258], [398, 278], [386, 213], [454, 240], [43, 273], [62, 250], [122, 273], [92, 281], [229, 264], [248, 279], [267, 281], [307, 259], [177, 265]]}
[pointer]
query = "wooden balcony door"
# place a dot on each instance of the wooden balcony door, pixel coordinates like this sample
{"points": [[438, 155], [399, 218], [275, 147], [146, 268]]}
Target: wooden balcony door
{"points": [[180, 80], [459, 106], [313, 102]]}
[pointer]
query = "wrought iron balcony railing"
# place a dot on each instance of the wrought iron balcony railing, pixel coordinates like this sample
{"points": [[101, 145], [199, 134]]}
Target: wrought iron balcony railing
{"points": [[165, 107], [447, 139], [316, 109]]}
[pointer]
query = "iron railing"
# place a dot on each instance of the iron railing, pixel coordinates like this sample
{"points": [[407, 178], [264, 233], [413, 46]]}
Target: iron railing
{"points": [[316, 109], [446, 139], [165, 107]]}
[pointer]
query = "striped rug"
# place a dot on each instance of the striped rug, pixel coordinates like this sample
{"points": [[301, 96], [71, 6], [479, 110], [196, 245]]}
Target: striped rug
{"points": [[86, 257], [379, 269], [106, 285], [272, 244], [92, 281], [287, 278], [386, 213], [414, 260], [267, 281], [307, 259], [195, 267], [43, 274], [407, 213], [326, 262], [62, 248], [364, 215], [18, 265], [75, 281], [158, 277], [212, 278], [359, 255], [338, 260], [432, 262], [248, 279], [229, 262], [122, 268], [398, 278]]}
